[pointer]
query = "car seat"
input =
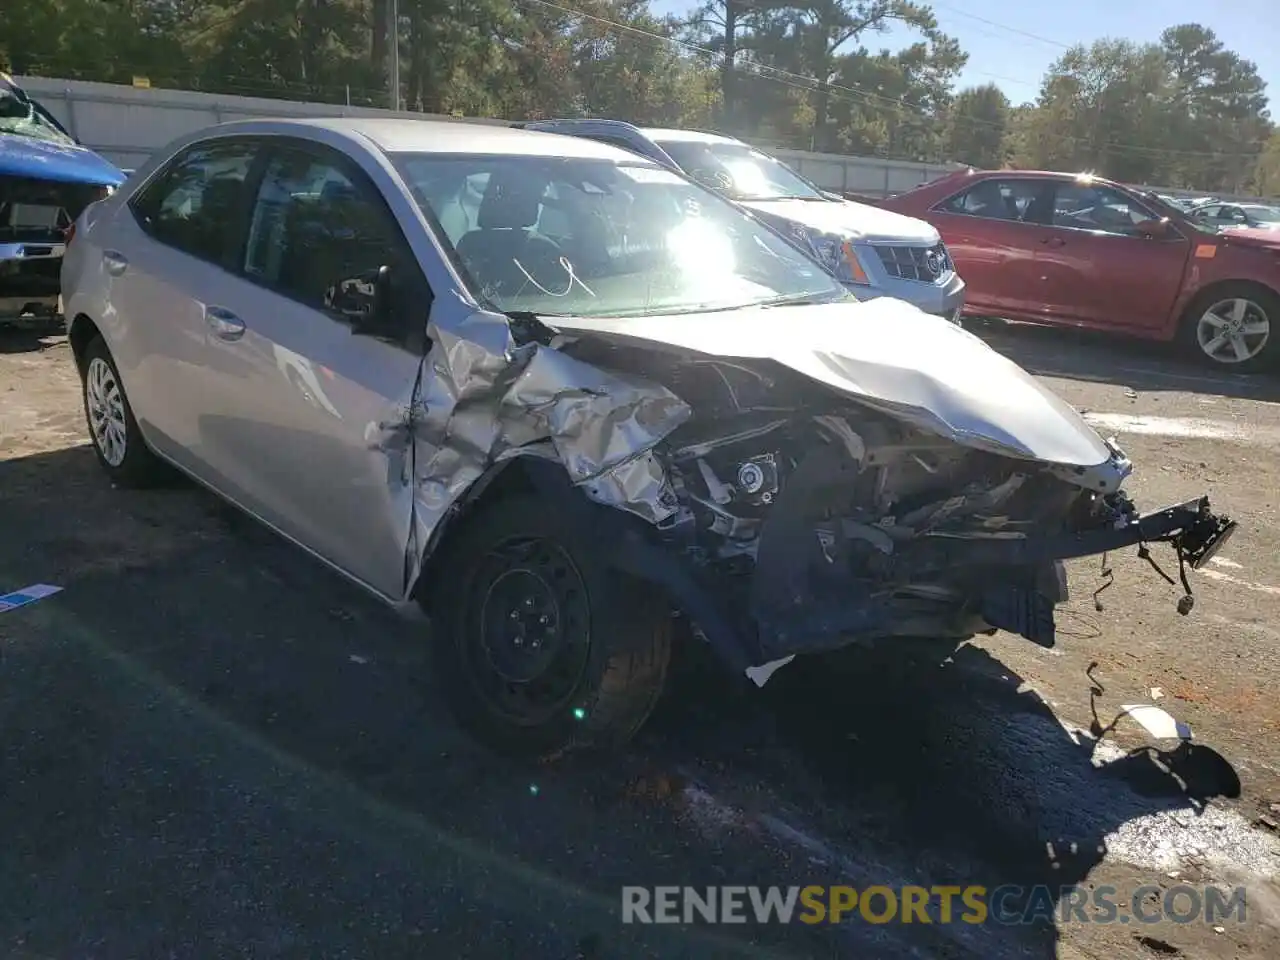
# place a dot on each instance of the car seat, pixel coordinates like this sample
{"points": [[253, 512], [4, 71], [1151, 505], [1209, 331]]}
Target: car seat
{"points": [[504, 241]]}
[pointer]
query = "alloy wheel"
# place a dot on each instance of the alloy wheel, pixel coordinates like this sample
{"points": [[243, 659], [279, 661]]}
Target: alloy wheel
{"points": [[1233, 330], [105, 404]]}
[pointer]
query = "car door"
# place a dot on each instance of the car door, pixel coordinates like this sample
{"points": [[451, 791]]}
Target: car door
{"points": [[992, 243], [312, 419], [1100, 267], [167, 253]]}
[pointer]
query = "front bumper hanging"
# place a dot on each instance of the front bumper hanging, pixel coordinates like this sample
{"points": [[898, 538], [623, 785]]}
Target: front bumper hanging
{"points": [[1194, 530]]}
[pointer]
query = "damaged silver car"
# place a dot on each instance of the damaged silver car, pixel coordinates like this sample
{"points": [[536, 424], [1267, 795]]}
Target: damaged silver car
{"points": [[577, 408]]}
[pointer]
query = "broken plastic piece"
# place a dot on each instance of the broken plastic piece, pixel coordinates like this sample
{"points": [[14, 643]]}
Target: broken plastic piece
{"points": [[1158, 722], [760, 675]]}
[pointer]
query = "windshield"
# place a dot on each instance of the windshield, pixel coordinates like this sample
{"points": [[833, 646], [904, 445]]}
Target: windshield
{"points": [[1262, 214], [23, 117], [739, 171], [597, 238]]}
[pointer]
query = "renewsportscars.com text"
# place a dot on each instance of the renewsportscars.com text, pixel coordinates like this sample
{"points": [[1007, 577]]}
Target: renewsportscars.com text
{"points": [[1010, 904]]}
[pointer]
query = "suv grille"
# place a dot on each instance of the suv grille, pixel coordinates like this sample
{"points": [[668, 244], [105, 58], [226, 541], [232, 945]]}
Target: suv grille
{"points": [[925, 264]]}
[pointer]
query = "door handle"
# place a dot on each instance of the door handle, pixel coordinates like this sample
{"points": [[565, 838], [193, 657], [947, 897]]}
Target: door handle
{"points": [[224, 324], [115, 262], [1054, 242]]}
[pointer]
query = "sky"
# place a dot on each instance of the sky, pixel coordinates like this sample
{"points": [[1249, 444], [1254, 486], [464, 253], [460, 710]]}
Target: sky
{"points": [[1012, 44]]}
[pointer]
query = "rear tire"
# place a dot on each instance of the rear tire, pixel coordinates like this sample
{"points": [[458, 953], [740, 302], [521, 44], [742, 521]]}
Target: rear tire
{"points": [[113, 431], [539, 647], [1233, 327]]}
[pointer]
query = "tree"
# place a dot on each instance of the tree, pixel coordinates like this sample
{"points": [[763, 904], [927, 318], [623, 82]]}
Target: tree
{"points": [[1185, 113], [1266, 173], [1218, 116], [977, 126], [1101, 109]]}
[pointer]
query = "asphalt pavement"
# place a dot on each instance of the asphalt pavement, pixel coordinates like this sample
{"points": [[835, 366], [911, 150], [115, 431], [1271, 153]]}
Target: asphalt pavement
{"points": [[213, 747]]}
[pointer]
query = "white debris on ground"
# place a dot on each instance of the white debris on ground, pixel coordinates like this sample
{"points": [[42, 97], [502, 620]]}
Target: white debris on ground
{"points": [[1218, 839]]}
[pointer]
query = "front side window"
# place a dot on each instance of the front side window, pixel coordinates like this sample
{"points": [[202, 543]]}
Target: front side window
{"points": [[319, 233], [192, 204], [996, 199], [739, 171], [588, 237], [1085, 206]]}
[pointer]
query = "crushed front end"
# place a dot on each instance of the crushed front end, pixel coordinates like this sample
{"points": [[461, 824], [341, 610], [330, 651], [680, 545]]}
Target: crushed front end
{"points": [[810, 524], [35, 216]]}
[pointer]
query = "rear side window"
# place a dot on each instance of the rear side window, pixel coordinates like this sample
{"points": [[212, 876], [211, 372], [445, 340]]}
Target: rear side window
{"points": [[1017, 199], [193, 205]]}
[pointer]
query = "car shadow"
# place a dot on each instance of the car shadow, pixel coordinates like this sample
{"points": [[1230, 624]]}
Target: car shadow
{"points": [[202, 692], [30, 334], [904, 765], [1145, 366]]}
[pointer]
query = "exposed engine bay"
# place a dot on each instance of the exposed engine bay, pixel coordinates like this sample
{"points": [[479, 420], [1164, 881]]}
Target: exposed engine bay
{"points": [[822, 521], [34, 218]]}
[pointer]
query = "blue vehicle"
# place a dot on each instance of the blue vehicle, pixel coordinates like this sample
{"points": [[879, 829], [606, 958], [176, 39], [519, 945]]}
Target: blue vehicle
{"points": [[46, 180]]}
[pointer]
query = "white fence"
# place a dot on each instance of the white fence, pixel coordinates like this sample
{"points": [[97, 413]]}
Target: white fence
{"points": [[125, 124]]}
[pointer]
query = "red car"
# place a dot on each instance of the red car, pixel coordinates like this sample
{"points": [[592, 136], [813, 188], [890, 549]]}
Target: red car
{"points": [[1076, 250]]}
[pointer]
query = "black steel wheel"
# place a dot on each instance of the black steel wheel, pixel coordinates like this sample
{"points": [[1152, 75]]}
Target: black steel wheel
{"points": [[539, 646]]}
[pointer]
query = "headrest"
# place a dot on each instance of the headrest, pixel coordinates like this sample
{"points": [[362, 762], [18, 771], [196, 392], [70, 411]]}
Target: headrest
{"points": [[508, 206]]}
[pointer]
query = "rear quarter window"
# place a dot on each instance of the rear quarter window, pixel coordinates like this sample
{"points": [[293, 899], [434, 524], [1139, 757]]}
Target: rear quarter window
{"points": [[192, 205]]}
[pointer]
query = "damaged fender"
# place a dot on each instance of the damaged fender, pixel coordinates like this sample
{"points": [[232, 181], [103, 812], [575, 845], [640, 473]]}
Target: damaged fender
{"points": [[482, 398]]}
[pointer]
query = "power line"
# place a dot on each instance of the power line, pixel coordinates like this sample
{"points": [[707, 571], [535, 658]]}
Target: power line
{"points": [[810, 84], [1001, 26]]}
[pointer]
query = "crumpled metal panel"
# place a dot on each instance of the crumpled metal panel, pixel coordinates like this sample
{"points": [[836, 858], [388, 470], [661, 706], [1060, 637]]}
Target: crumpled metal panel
{"points": [[482, 398]]}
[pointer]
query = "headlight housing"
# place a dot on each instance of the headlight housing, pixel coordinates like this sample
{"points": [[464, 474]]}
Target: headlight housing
{"points": [[838, 255]]}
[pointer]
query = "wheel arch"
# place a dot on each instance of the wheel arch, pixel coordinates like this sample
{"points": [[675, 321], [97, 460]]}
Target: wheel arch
{"points": [[630, 548], [80, 333], [520, 474], [1216, 287]]}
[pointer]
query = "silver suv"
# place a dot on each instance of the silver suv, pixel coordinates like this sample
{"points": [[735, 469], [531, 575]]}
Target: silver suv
{"points": [[873, 252]]}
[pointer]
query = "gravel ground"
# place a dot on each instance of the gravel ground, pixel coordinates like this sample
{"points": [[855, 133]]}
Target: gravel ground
{"points": [[212, 747]]}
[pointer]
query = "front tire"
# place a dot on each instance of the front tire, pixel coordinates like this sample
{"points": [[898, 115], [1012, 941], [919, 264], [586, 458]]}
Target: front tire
{"points": [[117, 440], [1234, 326], [539, 647]]}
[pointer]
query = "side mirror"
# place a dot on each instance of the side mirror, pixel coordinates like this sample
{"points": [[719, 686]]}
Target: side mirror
{"points": [[364, 301], [1156, 229]]}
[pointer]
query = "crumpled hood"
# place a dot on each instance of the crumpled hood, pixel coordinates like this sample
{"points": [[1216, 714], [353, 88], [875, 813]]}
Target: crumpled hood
{"points": [[45, 160], [847, 219], [892, 356]]}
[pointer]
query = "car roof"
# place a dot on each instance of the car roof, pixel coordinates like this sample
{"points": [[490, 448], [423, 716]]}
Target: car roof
{"points": [[395, 135], [673, 135]]}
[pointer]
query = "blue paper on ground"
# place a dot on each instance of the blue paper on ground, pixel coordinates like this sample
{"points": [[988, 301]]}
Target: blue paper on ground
{"points": [[20, 598]]}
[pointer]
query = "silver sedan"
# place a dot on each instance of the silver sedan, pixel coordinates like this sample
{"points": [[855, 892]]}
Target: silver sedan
{"points": [[575, 406]]}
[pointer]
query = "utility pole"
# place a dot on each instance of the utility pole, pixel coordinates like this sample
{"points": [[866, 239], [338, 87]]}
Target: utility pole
{"points": [[393, 27]]}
